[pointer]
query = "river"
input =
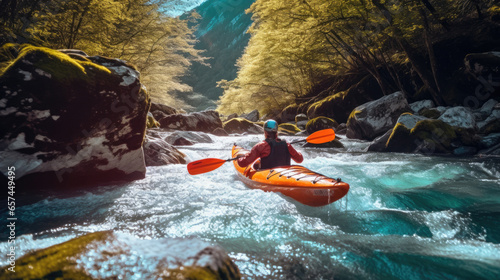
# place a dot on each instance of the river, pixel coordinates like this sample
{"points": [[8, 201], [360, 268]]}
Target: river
{"points": [[406, 216]]}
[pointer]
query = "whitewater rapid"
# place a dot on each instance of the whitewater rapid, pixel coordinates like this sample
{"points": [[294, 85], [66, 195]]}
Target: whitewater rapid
{"points": [[405, 217]]}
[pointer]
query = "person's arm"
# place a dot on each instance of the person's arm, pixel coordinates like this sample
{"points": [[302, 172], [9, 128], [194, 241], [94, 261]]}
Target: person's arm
{"points": [[255, 153], [296, 156]]}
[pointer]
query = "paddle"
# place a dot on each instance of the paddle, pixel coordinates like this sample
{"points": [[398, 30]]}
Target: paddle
{"points": [[209, 164]]}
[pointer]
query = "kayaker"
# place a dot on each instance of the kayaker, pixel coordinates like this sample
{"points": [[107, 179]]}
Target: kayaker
{"points": [[272, 151]]}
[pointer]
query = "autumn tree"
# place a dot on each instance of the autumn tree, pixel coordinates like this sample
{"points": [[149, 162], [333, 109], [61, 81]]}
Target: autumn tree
{"points": [[138, 31]]}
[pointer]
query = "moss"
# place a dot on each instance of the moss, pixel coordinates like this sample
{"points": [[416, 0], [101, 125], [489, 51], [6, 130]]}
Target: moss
{"points": [[59, 65], [320, 123], [288, 128], [54, 262], [8, 53], [152, 122], [353, 115]]}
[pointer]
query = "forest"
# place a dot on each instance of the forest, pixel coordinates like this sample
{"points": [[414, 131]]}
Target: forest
{"points": [[161, 47], [300, 47]]}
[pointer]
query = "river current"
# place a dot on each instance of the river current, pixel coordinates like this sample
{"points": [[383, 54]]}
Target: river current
{"points": [[406, 216]]}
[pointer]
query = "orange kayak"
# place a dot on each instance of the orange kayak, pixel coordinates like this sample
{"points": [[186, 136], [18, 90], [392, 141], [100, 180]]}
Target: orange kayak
{"points": [[297, 182]]}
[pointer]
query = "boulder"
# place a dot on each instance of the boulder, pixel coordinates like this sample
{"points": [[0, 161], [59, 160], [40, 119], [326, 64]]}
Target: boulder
{"points": [[109, 255], [460, 117], [427, 136], [240, 125], [374, 118], [406, 119], [320, 123], [419, 105], [252, 116], [63, 118], [488, 107], [206, 121], [288, 114], [288, 129], [158, 152], [189, 137]]}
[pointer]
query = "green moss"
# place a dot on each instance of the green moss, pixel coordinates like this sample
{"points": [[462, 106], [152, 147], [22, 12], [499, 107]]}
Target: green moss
{"points": [[152, 122], [8, 53], [54, 262], [320, 123], [59, 65]]}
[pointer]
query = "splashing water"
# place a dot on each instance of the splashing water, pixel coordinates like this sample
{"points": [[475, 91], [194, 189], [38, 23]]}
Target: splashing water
{"points": [[406, 216]]}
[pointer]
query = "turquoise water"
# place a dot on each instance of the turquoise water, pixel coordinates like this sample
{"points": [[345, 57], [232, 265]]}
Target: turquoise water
{"points": [[405, 217]]}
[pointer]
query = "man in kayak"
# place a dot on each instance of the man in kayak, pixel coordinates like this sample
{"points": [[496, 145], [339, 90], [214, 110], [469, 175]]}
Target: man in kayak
{"points": [[272, 151]]}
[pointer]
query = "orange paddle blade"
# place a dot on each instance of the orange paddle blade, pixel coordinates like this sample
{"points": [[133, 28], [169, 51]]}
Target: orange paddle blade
{"points": [[321, 136], [204, 165]]}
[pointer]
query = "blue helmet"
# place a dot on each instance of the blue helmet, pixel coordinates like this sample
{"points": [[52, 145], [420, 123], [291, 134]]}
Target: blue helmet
{"points": [[271, 126]]}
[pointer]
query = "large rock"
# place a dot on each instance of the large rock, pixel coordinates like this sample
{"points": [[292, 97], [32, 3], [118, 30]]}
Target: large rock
{"points": [[70, 120], [240, 125], [320, 123], [167, 110], [408, 120], [460, 117], [288, 114], [376, 117], [206, 121], [427, 137], [158, 152], [108, 255]]}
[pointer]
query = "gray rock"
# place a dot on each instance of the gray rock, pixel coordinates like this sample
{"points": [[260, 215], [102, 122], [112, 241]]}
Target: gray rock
{"points": [[158, 152], [492, 120], [419, 105], [300, 118], [252, 116], [459, 117], [374, 118], [410, 120], [487, 107]]}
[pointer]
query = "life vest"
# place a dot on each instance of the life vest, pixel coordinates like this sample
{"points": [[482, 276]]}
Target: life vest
{"points": [[279, 155]]}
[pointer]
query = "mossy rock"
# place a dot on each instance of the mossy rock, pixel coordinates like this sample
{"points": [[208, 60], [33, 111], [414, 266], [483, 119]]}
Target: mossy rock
{"points": [[54, 262], [58, 65], [288, 129], [152, 122], [401, 140], [320, 123], [241, 125], [326, 106], [428, 136], [64, 261]]}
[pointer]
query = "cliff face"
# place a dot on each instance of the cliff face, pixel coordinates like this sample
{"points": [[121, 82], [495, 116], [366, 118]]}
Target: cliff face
{"points": [[222, 33]]}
